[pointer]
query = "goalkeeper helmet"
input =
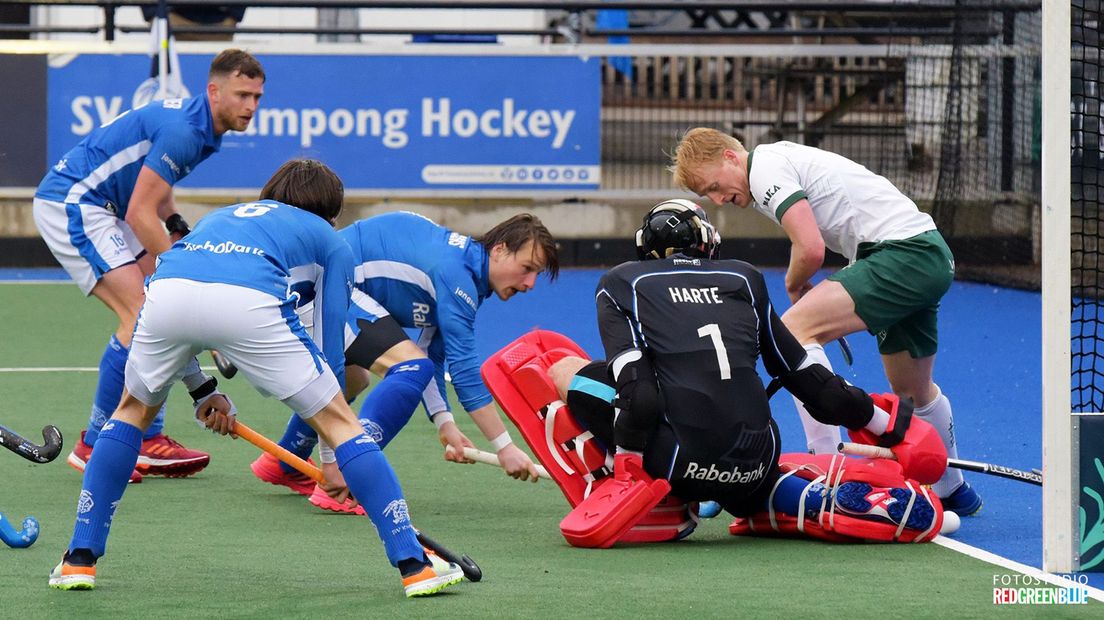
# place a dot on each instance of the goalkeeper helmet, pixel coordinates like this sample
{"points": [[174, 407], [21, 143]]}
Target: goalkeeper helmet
{"points": [[676, 226]]}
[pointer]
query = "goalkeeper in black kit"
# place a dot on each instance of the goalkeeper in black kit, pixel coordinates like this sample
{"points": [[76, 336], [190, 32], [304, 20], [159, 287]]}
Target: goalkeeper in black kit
{"points": [[678, 398]]}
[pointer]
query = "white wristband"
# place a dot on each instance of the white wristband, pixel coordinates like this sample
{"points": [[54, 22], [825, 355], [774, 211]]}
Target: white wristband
{"points": [[501, 441], [442, 418], [326, 453]]}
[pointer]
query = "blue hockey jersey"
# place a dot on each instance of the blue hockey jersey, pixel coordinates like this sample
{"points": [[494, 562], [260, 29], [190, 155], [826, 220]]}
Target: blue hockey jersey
{"points": [[432, 278], [170, 137], [268, 246]]}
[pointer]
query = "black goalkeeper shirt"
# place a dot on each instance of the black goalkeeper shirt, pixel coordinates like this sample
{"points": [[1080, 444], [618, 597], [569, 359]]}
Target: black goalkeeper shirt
{"points": [[702, 324]]}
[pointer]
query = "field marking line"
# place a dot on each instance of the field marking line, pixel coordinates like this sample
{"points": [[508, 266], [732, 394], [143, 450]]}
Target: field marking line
{"points": [[1003, 562], [207, 369], [943, 541]]}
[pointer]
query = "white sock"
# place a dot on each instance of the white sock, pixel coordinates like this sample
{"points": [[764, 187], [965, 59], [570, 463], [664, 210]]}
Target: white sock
{"points": [[879, 422], [938, 414], [821, 438]]}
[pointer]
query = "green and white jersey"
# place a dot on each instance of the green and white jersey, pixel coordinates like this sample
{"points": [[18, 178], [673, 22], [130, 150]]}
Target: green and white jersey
{"points": [[851, 204]]}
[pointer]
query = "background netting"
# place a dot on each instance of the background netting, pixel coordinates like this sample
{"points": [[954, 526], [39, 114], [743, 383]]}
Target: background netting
{"points": [[1085, 224], [952, 117], [972, 134]]}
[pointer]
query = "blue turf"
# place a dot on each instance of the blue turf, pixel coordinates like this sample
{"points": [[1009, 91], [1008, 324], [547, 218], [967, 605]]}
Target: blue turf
{"points": [[988, 365], [18, 274]]}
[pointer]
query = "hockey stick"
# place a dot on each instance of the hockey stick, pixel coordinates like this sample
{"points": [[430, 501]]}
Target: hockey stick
{"points": [[858, 449], [487, 458], [18, 538], [845, 348], [225, 367], [466, 564], [470, 568], [278, 451], [48, 451]]}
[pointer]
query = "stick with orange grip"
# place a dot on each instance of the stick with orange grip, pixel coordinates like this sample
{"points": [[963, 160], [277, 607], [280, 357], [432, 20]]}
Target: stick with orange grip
{"points": [[470, 568], [278, 451]]}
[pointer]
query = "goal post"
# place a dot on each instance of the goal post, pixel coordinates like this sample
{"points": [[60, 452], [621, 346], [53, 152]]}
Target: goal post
{"points": [[1061, 535]]}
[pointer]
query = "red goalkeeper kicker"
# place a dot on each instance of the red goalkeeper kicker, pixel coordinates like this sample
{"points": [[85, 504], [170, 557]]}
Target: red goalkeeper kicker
{"points": [[858, 449]]}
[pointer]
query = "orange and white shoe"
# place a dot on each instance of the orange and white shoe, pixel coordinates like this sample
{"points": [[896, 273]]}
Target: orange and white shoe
{"points": [[163, 456], [267, 468], [78, 459], [433, 578], [319, 498], [71, 576]]}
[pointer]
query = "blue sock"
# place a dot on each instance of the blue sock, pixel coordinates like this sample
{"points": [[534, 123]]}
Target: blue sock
{"points": [[105, 479], [109, 388], [390, 404], [374, 484], [787, 497], [299, 438]]}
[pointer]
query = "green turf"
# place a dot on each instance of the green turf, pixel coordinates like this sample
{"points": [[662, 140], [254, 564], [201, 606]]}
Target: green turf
{"points": [[224, 545]]}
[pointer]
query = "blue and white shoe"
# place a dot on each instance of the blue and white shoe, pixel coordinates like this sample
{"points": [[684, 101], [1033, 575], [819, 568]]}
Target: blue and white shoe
{"points": [[964, 501], [862, 500]]}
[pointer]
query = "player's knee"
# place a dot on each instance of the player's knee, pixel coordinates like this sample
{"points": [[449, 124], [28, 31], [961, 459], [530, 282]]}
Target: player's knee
{"points": [[802, 325], [416, 372], [563, 371]]}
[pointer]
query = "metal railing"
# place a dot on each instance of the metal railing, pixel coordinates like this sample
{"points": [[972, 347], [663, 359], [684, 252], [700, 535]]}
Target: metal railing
{"points": [[712, 19]]}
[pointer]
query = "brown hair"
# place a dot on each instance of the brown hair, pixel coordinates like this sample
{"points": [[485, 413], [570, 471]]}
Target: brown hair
{"points": [[519, 229], [698, 147], [308, 184], [233, 61]]}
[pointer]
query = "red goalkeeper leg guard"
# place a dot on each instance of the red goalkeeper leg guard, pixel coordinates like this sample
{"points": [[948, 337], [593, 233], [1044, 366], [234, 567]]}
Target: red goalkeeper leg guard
{"points": [[614, 506], [868, 500], [518, 378]]}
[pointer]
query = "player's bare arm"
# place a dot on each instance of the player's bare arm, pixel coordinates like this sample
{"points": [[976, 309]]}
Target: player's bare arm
{"points": [[151, 198], [807, 251], [516, 463]]}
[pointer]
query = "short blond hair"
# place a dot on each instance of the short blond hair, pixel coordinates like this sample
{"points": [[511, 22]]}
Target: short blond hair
{"points": [[698, 147]]}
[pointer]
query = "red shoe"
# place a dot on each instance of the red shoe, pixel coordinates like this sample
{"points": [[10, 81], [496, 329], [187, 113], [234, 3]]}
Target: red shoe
{"points": [[267, 468], [319, 498], [78, 459], [162, 456]]}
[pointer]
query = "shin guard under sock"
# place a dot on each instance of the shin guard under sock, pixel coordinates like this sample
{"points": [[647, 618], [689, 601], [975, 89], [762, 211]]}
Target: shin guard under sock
{"points": [[938, 414], [109, 387], [105, 479], [820, 438], [389, 405], [375, 486], [299, 438]]}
